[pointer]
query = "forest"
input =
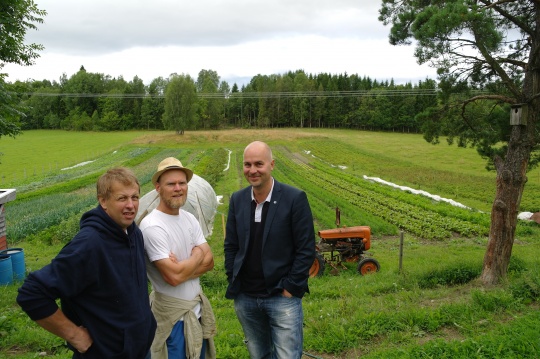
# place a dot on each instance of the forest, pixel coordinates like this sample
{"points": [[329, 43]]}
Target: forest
{"points": [[89, 101]]}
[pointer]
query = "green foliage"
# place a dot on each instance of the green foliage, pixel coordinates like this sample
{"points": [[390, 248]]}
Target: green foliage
{"points": [[403, 160], [180, 104], [9, 111], [25, 220], [20, 337], [455, 274], [517, 340], [517, 265], [294, 99], [211, 168], [64, 187], [86, 83], [210, 109], [17, 18], [62, 232], [493, 301], [526, 287], [363, 196], [476, 90]]}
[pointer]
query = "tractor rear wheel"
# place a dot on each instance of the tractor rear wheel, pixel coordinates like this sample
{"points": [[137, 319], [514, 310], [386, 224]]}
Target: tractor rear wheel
{"points": [[317, 268], [368, 266]]}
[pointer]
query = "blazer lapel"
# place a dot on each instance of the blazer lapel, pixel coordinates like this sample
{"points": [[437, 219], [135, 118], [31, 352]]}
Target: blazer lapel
{"points": [[247, 213], [272, 209]]}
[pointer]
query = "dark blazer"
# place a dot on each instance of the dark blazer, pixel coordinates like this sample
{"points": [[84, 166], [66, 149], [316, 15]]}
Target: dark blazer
{"points": [[288, 240]]}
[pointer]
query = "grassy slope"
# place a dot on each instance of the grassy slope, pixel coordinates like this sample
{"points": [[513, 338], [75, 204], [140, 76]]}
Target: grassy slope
{"points": [[35, 153], [346, 315]]}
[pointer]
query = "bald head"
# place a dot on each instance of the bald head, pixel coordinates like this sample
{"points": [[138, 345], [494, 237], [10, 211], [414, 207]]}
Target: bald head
{"points": [[260, 148], [258, 166]]}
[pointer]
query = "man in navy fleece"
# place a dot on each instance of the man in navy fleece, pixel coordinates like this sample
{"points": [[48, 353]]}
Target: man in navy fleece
{"points": [[100, 278]]}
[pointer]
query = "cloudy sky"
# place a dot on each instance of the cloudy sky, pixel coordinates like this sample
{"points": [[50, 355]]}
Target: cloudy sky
{"points": [[236, 38]]}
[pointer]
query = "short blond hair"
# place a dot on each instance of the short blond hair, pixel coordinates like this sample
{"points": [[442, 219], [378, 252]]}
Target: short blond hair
{"points": [[122, 175]]}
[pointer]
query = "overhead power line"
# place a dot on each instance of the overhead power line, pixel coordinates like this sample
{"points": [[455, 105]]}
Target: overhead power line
{"points": [[248, 95]]}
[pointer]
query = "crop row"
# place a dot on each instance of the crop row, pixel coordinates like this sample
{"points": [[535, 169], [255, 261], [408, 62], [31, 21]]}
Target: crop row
{"points": [[211, 165], [477, 189], [410, 218], [323, 202], [413, 219], [52, 201], [421, 201], [30, 217]]}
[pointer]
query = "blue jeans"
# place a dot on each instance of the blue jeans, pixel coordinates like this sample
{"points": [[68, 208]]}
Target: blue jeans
{"points": [[176, 343], [272, 326]]}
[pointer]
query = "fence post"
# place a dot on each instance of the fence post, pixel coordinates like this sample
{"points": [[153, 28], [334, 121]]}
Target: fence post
{"points": [[400, 251]]}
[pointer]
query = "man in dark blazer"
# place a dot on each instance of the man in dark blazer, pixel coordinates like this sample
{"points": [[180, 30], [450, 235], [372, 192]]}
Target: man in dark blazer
{"points": [[269, 249]]}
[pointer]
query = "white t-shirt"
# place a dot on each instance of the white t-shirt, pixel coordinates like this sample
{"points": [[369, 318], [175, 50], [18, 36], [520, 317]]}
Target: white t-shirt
{"points": [[164, 233]]}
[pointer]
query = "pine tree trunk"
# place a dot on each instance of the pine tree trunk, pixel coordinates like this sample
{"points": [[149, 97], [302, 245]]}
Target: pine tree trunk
{"points": [[511, 174], [511, 180]]}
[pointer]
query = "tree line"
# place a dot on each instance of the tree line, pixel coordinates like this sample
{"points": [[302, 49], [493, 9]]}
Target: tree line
{"points": [[89, 101]]}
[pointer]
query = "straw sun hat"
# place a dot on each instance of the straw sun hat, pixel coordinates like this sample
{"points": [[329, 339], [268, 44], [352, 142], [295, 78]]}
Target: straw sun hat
{"points": [[171, 163]]}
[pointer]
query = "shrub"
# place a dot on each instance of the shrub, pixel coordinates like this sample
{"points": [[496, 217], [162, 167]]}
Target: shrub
{"points": [[459, 273], [527, 287], [516, 265], [493, 301]]}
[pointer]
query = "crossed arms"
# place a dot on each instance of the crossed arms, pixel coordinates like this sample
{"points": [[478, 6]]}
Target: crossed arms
{"points": [[176, 272]]}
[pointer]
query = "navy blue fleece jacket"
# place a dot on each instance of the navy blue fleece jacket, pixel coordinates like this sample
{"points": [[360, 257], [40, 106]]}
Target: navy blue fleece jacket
{"points": [[100, 278]]}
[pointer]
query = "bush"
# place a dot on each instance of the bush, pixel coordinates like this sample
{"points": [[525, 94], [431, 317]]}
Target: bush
{"points": [[459, 273], [527, 287], [493, 301]]}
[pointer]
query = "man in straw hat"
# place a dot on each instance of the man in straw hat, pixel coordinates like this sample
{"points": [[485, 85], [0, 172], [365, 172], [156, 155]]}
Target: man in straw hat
{"points": [[177, 255]]}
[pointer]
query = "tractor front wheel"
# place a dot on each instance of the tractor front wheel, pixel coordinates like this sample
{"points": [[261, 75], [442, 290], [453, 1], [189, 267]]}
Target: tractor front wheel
{"points": [[368, 266], [317, 268]]}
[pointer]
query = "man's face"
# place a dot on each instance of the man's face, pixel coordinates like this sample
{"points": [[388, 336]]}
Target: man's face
{"points": [[258, 166], [173, 189], [123, 204]]}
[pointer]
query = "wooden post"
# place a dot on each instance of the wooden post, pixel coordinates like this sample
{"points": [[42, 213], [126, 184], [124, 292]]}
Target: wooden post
{"points": [[223, 224], [400, 251]]}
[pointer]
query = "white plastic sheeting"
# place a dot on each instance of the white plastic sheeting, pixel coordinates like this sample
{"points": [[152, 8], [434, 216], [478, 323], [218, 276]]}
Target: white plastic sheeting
{"points": [[417, 191], [526, 216], [201, 202]]}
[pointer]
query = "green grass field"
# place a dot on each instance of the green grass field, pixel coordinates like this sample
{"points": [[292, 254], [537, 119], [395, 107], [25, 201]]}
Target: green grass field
{"points": [[434, 307]]}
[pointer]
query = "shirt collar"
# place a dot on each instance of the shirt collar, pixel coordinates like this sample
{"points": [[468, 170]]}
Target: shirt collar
{"points": [[267, 197]]}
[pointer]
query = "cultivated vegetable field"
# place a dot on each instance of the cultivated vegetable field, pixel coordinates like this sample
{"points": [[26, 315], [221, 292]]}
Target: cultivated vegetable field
{"points": [[432, 307]]}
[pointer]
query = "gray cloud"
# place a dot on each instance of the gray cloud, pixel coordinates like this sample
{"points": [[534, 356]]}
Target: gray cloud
{"points": [[237, 38], [105, 26]]}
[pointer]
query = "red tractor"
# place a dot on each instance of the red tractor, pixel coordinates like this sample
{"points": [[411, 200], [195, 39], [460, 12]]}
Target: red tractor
{"points": [[345, 244]]}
